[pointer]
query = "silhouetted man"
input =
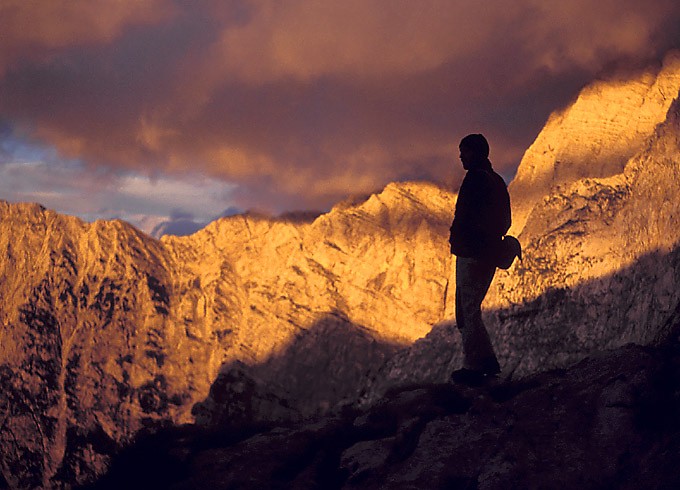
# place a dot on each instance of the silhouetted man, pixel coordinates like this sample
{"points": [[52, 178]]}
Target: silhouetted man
{"points": [[481, 219]]}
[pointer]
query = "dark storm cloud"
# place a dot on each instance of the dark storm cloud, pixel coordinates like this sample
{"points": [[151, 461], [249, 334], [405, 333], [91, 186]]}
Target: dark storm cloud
{"points": [[301, 103]]}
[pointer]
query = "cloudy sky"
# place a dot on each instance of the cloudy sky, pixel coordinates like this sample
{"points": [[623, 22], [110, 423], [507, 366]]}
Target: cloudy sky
{"points": [[150, 110]]}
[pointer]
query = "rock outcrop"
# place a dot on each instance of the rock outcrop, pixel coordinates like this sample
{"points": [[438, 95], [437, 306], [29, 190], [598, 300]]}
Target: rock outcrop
{"points": [[88, 354], [609, 421], [595, 136], [601, 268], [106, 331]]}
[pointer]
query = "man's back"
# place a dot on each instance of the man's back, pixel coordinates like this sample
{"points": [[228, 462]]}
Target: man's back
{"points": [[482, 214]]}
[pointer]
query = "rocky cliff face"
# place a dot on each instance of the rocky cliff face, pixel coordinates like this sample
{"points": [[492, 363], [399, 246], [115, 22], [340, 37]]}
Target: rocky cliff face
{"points": [[608, 123], [89, 353], [609, 421], [601, 269], [106, 331]]}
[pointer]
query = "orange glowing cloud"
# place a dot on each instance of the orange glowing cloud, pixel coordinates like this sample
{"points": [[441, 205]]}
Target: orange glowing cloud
{"points": [[302, 102], [362, 39], [36, 28]]}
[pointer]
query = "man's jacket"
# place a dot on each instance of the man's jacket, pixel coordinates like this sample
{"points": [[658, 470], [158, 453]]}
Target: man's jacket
{"points": [[482, 214]]}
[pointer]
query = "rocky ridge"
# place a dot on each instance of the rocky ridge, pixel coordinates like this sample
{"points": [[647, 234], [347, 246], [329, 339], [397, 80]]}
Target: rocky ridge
{"points": [[609, 421], [106, 331], [601, 268], [595, 136]]}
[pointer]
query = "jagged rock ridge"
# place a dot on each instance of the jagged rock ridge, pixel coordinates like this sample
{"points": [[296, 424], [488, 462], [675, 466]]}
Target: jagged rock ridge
{"points": [[106, 331], [608, 422], [601, 268], [594, 137]]}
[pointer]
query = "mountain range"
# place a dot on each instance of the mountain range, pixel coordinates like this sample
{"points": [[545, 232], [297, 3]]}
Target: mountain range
{"points": [[106, 331]]}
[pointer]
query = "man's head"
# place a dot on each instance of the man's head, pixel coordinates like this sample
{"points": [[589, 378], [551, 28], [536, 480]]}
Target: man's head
{"points": [[474, 149]]}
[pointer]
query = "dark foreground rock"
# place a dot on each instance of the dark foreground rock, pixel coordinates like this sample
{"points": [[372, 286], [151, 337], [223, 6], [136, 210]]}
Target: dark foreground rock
{"points": [[610, 421]]}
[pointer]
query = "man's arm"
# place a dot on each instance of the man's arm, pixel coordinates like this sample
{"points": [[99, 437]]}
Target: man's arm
{"points": [[468, 235]]}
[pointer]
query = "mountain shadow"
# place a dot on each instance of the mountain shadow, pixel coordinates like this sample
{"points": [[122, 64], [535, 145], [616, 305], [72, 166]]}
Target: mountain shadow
{"points": [[316, 375], [609, 421], [638, 304], [320, 369], [292, 421]]}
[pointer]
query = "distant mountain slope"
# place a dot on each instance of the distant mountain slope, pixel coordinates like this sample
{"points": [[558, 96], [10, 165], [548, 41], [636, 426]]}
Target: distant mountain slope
{"points": [[106, 330], [608, 123]]}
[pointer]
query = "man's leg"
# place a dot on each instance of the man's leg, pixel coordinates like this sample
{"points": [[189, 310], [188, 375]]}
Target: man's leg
{"points": [[473, 278]]}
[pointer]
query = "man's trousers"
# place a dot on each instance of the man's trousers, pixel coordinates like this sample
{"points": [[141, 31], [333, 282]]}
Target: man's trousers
{"points": [[473, 278]]}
